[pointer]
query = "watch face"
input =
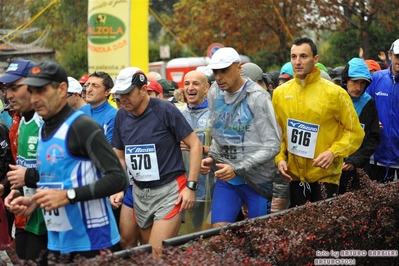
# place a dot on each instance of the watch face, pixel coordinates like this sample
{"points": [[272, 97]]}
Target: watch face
{"points": [[71, 194], [192, 185]]}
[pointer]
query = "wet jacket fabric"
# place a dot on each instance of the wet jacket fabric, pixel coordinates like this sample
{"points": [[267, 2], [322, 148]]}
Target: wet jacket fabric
{"points": [[319, 102], [385, 91], [245, 135]]}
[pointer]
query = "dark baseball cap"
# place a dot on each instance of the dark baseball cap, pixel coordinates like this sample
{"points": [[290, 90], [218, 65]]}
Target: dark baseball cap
{"points": [[16, 70], [167, 87], [45, 73]]}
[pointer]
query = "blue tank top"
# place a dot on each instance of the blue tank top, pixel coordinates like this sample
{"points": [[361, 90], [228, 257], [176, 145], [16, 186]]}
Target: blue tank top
{"points": [[87, 225], [229, 127]]}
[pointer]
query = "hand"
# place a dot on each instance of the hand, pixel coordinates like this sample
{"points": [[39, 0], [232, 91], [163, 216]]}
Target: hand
{"points": [[22, 206], [13, 195], [348, 167], [380, 125], [116, 200], [361, 52], [184, 147], [283, 168], [50, 199], [324, 160], [382, 56], [225, 173], [16, 176], [206, 165], [187, 199]]}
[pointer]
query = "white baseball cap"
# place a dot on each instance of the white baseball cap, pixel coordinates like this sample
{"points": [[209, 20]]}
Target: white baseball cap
{"points": [[74, 86], [395, 47], [223, 58], [127, 79]]}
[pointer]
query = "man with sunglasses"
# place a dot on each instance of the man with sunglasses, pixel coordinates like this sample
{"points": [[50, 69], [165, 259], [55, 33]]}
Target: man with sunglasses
{"points": [[74, 96]]}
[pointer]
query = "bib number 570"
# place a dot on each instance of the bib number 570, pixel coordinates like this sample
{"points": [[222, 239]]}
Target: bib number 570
{"points": [[140, 160]]}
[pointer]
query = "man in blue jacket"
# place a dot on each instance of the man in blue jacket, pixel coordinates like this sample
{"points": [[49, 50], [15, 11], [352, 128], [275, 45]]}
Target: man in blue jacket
{"points": [[98, 88], [385, 91]]}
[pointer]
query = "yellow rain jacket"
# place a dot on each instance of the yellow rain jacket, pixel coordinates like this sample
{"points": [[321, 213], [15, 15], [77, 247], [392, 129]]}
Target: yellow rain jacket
{"points": [[315, 113]]}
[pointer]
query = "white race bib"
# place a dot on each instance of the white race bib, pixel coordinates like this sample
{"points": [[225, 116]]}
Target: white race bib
{"points": [[142, 162], [302, 138], [56, 220], [28, 191]]}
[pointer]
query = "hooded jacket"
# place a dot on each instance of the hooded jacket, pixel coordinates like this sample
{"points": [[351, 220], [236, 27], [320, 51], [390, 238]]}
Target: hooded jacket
{"points": [[245, 135], [317, 102], [366, 110], [385, 91]]}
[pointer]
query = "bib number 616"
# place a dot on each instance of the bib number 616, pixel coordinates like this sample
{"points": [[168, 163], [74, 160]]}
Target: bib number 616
{"points": [[300, 137]]}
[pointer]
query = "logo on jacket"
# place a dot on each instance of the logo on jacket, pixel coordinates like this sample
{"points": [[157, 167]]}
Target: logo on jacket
{"points": [[380, 93]]}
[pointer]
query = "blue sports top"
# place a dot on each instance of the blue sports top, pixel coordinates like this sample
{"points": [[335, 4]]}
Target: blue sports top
{"points": [[85, 225], [104, 115], [198, 118]]}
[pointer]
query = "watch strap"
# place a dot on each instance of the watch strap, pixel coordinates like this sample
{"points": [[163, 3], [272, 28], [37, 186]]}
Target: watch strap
{"points": [[193, 185]]}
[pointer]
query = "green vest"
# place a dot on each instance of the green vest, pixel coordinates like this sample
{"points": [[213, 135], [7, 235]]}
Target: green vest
{"points": [[28, 136]]}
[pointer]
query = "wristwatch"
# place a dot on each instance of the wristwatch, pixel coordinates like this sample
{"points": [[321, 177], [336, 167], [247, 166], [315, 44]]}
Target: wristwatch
{"points": [[71, 195], [193, 185]]}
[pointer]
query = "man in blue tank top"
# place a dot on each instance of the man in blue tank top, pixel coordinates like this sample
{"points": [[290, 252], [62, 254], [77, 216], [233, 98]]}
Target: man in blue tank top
{"points": [[77, 172]]}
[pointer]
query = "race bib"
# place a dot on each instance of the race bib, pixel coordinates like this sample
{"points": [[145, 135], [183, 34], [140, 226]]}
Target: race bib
{"points": [[302, 138], [56, 220], [28, 191], [232, 151], [142, 162]]}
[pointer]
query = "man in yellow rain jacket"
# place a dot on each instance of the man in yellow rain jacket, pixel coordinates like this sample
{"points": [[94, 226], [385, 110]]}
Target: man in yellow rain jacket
{"points": [[320, 128]]}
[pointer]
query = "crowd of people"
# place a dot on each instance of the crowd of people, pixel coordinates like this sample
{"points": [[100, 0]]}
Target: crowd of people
{"points": [[101, 164]]}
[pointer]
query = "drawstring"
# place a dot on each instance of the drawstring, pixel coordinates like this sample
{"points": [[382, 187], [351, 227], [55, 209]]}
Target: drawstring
{"points": [[305, 186], [386, 172], [145, 193]]}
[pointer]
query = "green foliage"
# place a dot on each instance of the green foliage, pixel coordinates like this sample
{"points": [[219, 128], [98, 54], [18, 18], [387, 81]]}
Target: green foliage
{"points": [[264, 33], [67, 20], [11, 15], [345, 45]]}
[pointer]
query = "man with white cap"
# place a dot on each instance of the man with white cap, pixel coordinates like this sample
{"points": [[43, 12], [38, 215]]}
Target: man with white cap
{"points": [[82, 81], [384, 90], [147, 139], [74, 96], [245, 139]]}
